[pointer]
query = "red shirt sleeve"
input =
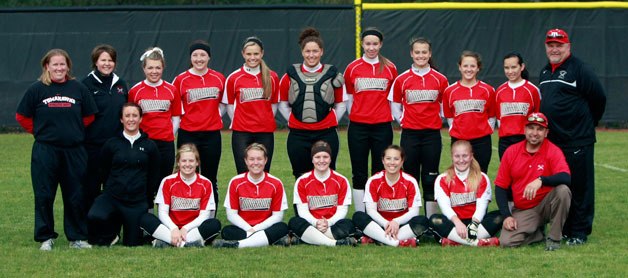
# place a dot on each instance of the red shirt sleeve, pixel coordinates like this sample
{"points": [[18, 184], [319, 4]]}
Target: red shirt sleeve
{"points": [[88, 120], [25, 122], [284, 87]]}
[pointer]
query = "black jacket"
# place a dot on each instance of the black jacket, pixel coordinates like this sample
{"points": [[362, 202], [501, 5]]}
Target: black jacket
{"points": [[130, 169], [110, 93], [573, 100]]}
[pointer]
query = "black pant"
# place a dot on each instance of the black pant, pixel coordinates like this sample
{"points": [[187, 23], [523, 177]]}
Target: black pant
{"points": [[482, 150], [365, 139], [106, 216], [342, 229], [166, 164], [273, 233], [422, 148], [580, 220], [209, 148], [240, 140], [418, 224], [94, 180], [300, 148], [507, 141], [52, 165], [209, 229], [492, 222]]}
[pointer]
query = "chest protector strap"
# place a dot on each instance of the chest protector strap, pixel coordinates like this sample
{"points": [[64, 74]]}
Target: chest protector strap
{"points": [[311, 94]]}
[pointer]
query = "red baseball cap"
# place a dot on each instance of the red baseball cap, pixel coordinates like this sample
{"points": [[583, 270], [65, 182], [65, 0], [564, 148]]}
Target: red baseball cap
{"points": [[556, 35], [537, 118]]}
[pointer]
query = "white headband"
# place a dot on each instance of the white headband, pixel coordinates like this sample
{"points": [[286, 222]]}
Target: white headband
{"points": [[150, 51]]}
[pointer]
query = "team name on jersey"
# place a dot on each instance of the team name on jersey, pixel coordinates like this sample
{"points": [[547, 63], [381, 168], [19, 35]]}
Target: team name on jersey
{"points": [[199, 94], [59, 101], [321, 202], [251, 94], [514, 108], [461, 199], [154, 105], [469, 106], [392, 204], [255, 203], [416, 96], [178, 203], [370, 84]]}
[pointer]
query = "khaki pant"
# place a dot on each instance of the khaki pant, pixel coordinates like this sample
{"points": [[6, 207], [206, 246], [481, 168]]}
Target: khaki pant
{"points": [[531, 222]]}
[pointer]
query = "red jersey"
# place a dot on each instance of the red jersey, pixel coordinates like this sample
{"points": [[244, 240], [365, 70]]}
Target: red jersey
{"points": [[518, 168], [185, 201], [201, 96], [514, 105], [323, 197], [159, 104], [392, 201], [252, 112], [255, 202], [369, 87], [421, 97], [470, 109], [328, 122], [462, 200]]}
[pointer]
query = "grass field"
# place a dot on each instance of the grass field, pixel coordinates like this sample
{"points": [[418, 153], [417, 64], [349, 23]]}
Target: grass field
{"points": [[605, 255]]}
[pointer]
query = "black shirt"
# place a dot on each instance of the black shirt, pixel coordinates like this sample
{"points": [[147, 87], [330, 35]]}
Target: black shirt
{"points": [[110, 93]]}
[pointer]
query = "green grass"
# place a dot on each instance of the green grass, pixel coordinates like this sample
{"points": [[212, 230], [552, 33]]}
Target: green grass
{"points": [[605, 255]]}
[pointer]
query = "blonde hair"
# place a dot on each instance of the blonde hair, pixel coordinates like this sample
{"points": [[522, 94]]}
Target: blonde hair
{"points": [[267, 84], [475, 173], [186, 148], [45, 75], [255, 147], [153, 53]]}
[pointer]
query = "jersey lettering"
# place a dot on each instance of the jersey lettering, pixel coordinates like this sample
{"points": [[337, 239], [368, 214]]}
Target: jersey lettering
{"points": [[67, 100], [392, 204], [469, 106], [321, 202], [370, 84], [178, 203], [255, 203], [514, 108], [417, 96], [154, 105], [461, 199], [251, 94], [199, 94]]}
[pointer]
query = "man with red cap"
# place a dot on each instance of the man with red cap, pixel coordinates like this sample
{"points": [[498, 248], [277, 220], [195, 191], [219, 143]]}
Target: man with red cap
{"points": [[573, 99], [538, 175]]}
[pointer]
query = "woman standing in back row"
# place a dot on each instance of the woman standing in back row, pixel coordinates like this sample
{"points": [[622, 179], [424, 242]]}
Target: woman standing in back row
{"points": [[201, 90], [368, 81], [312, 100], [252, 94], [469, 106], [416, 99]]}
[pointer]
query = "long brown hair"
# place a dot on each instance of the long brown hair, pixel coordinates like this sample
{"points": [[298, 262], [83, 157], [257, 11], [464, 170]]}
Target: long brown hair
{"points": [[475, 173], [267, 84], [383, 61], [45, 75]]}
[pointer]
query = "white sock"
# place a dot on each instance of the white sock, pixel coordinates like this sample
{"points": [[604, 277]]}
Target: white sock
{"points": [[162, 233], [405, 232], [315, 237], [358, 200], [377, 233], [431, 207], [255, 240], [194, 235], [455, 237], [482, 232]]}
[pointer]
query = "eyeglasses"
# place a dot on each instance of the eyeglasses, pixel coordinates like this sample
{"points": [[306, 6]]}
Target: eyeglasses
{"points": [[535, 118]]}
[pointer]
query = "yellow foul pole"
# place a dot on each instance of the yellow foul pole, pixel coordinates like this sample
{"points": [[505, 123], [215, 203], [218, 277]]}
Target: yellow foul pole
{"points": [[358, 27]]}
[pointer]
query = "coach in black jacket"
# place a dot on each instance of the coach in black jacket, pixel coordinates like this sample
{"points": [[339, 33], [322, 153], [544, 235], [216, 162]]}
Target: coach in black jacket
{"points": [[130, 163], [573, 101]]}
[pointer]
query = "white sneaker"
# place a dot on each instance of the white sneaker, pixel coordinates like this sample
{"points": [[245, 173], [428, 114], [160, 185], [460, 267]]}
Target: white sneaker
{"points": [[47, 245], [80, 244], [114, 241]]}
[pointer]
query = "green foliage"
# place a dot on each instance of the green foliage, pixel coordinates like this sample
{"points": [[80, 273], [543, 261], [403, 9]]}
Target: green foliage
{"points": [[603, 256]]}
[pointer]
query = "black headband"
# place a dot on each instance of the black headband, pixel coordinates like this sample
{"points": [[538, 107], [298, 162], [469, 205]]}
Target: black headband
{"points": [[202, 46], [374, 33], [255, 40]]}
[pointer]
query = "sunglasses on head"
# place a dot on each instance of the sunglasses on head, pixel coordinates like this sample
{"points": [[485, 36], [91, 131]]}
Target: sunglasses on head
{"points": [[535, 118]]}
